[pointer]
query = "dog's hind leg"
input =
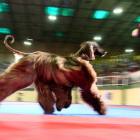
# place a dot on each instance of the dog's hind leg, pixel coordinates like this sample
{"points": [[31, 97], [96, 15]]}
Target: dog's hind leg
{"points": [[14, 80], [45, 97], [63, 96], [93, 98]]}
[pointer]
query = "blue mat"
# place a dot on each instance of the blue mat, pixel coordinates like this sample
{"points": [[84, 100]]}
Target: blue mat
{"points": [[73, 110]]}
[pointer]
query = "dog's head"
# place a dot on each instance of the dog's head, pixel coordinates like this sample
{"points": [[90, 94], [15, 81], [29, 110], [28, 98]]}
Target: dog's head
{"points": [[89, 49]]}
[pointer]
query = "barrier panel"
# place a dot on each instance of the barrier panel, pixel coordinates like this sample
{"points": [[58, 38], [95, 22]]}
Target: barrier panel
{"points": [[30, 95], [112, 95], [112, 80], [132, 96], [23, 96], [109, 96]]}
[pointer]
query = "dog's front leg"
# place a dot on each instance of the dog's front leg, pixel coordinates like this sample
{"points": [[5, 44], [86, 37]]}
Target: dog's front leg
{"points": [[45, 97], [63, 96], [92, 97]]}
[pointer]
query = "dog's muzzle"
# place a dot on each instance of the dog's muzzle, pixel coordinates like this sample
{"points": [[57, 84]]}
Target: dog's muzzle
{"points": [[104, 54], [100, 52]]}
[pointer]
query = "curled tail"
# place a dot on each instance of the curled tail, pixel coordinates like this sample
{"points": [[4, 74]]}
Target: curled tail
{"points": [[13, 50]]}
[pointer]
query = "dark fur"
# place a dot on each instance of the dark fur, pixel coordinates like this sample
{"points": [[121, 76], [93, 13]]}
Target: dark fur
{"points": [[57, 74]]}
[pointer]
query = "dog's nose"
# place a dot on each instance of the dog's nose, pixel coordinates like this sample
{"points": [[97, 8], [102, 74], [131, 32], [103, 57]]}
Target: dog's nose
{"points": [[104, 54]]}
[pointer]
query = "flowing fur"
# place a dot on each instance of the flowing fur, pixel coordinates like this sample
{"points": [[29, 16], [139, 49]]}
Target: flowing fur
{"points": [[57, 74]]}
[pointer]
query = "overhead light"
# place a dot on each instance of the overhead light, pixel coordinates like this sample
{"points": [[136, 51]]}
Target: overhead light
{"points": [[129, 50], [4, 7], [27, 43], [137, 19], [5, 31], [117, 11], [52, 17], [59, 34], [30, 39], [97, 38], [100, 14], [59, 11]]}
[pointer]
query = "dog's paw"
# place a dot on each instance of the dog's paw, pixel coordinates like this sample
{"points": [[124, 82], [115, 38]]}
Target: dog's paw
{"points": [[67, 104], [59, 108], [103, 111], [49, 111]]}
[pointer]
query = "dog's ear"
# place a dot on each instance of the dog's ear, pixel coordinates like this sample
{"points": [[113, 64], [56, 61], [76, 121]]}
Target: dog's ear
{"points": [[87, 51]]}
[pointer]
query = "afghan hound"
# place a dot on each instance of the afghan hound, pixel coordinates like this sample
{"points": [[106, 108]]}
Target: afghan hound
{"points": [[56, 74]]}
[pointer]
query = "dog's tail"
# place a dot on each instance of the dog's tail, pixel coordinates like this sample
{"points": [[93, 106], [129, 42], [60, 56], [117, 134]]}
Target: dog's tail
{"points": [[13, 50]]}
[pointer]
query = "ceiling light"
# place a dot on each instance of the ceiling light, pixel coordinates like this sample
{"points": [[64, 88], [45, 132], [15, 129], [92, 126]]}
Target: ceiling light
{"points": [[100, 14], [30, 39], [59, 11], [97, 38], [117, 11], [27, 43], [52, 10], [67, 12], [4, 7], [59, 34], [129, 50], [5, 31], [52, 17], [137, 19]]}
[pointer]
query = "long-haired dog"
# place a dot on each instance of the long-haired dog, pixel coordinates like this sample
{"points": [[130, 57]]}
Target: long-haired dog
{"points": [[56, 74]]}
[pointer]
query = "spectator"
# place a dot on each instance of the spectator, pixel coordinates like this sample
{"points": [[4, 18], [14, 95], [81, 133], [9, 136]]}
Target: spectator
{"points": [[136, 32]]}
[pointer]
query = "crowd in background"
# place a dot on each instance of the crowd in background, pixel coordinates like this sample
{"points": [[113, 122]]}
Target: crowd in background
{"points": [[110, 68], [126, 67]]}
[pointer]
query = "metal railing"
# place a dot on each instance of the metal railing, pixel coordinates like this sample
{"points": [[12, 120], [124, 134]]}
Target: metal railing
{"points": [[112, 81], [116, 80]]}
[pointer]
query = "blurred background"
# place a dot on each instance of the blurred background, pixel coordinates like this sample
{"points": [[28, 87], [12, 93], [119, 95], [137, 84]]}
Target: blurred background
{"points": [[60, 26]]}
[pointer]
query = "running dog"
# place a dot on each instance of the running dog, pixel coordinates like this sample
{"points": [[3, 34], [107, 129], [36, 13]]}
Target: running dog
{"points": [[55, 75]]}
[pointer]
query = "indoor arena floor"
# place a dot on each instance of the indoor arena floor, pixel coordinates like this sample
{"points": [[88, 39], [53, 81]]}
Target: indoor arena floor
{"points": [[26, 121]]}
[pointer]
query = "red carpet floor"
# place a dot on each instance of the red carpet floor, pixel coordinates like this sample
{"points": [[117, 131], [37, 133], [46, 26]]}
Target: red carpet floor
{"points": [[51, 127]]}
